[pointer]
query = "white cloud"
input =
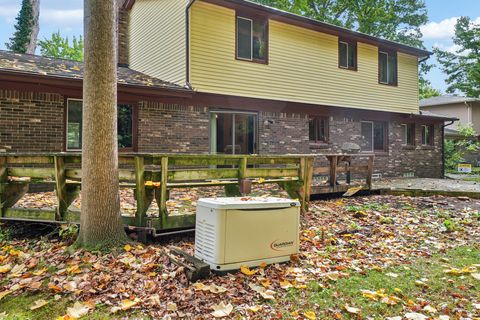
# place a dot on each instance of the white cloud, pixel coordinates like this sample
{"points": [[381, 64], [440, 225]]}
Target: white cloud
{"points": [[439, 30], [9, 12], [61, 17], [444, 29]]}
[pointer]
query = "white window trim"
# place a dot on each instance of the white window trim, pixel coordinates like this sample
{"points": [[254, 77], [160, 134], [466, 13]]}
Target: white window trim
{"points": [[425, 135], [251, 39], [66, 125], [388, 71], [348, 44], [373, 132]]}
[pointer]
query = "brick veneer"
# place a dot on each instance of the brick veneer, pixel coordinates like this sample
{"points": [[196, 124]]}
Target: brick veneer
{"points": [[172, 128], [31, 122], [123, 35]]}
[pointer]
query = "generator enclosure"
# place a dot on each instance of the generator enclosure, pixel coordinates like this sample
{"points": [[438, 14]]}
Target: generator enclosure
{"points": [[247, 231]]}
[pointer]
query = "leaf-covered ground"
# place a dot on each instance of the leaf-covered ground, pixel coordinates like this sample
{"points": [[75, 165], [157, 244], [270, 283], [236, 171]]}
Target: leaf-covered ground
{"points": [[377, 257]]}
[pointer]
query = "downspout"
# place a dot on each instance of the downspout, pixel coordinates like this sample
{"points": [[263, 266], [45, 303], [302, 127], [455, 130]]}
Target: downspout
{"points": [[443, 146], [187, 43]]}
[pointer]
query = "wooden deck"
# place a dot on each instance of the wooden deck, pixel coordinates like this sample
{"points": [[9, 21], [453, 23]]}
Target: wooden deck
{"points": [[152, 176]]}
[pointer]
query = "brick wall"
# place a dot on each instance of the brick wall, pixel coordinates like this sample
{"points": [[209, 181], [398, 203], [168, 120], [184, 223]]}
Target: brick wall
{"points": [[168, 128], [123, 36], [288, 133], [31, 122]]}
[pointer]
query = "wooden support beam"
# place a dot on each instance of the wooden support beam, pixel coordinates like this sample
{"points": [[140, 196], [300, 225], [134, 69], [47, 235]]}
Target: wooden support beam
{"points": [[60, 188], [140, 193], [370, 171], [3, 183], [163, 196], [333, 170]]}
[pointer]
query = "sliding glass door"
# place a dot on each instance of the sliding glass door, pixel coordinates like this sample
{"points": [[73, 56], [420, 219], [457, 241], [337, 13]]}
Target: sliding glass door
{"points": [[233, 133]]}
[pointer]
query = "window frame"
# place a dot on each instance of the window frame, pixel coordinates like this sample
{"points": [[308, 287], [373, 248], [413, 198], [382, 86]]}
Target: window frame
{"points": [[389, 53], [316, 120], [355, 59], [431, 135], [405, 127], [134, 107], [252, 18], [385, 136]]}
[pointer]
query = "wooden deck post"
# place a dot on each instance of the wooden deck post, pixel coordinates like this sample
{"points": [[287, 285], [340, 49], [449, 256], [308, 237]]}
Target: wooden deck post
{"points": [[306, 174], [162, 205], [60, 188], [333, 170], [370, 172], [3, 184], [244, 184], [140, 192]]}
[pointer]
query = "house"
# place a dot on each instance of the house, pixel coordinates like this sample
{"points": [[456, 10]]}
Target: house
{"points": [[232, 76], [467, 110]]}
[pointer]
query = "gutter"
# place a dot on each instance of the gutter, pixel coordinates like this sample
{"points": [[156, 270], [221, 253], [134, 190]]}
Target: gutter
{"points": [[187, 43], [443, 145]]}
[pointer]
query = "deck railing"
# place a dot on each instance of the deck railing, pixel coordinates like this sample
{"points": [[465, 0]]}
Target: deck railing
{"points": [[151, 176]]}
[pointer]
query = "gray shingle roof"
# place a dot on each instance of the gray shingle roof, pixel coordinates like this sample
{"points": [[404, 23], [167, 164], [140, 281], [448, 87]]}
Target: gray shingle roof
{"points": [[59, 68], [446, 99]]}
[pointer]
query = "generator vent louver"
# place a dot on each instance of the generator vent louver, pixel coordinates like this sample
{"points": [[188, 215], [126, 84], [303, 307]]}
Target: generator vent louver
{"points": [[205, 239]]}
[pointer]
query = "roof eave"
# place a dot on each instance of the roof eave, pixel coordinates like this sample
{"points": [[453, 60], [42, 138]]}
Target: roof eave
{"points": [[52, 80]]}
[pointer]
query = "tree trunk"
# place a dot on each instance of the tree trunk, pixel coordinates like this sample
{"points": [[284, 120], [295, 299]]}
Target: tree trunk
{"points": [[100, 220], [32, 45]]}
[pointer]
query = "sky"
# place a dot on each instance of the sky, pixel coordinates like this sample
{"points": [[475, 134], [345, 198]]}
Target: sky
{"points": [[66, 16]]}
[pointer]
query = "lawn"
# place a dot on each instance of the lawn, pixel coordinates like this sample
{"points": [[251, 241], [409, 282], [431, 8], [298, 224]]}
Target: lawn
{"points": [[377, 257]]}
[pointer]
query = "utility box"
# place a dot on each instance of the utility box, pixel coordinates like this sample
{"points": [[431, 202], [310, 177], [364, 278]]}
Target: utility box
{"points": [[248, 231]]}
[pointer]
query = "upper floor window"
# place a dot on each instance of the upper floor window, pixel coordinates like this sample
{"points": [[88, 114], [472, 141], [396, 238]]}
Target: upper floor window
{"points": [[347, 54], [427, 135], [74, 125], [408, 134], [387, 67], [318, 129], [252, 42], [374, 136]]}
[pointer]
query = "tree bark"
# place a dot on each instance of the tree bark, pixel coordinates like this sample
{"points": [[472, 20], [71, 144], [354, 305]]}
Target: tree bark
{"points": [[32, 45], [100, 220]]}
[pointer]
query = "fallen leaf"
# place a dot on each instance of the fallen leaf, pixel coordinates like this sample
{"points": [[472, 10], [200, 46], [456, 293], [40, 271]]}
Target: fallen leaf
{"points": [[254, 308], [221, 310], [352, 310], [247, 271], [415, 316], [78, 310], [476, 275], [171, 306], [127, 304], [310, 315], [38, 304], [6, 268]]}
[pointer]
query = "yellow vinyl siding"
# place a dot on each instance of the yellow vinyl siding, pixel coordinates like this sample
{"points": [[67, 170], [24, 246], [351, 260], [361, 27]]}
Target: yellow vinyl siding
{"points": [[157, 39], [302, 66]]}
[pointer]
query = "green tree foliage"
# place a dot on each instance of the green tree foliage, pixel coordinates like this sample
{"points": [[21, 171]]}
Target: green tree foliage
{"points": [[463, 66], [425, 89], [456, 149], [59, 47], [23, 29], [397, 20]]}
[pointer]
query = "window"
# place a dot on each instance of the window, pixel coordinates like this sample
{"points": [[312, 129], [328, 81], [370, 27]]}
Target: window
{"points": [[347, 54], [427, 135], [74, 125], [318, 129], [374, 136], [387, 67], [408, 134], [252, 41], [233, 133]]}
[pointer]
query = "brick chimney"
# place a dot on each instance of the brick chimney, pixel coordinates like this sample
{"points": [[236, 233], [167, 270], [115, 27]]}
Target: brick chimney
{"points": [[123, 34]]}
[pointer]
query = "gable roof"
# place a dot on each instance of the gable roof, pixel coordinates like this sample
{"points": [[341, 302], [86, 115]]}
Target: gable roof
{"points": [[32, 65], [445, 99], [309, 23]]}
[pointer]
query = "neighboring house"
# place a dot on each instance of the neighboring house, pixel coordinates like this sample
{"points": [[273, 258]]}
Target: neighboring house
{"points": [[218, 76], [467, 110]]}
